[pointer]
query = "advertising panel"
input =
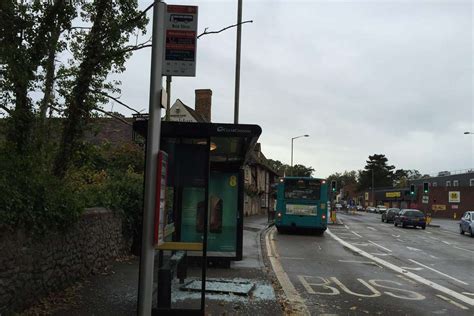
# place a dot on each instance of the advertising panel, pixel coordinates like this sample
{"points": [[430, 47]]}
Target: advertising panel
{"points": [[222, 224], [439, 207], [298, 209]]}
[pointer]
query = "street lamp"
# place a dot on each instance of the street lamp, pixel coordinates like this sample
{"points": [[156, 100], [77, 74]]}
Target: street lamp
{"points": [[292, 139]]}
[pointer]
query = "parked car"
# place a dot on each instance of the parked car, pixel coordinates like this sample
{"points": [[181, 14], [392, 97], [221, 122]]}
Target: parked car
{"points": [[370, 209], [390, 214], [410, 217], [466, 225], [381, 209], [359, 208], [338, 206]]}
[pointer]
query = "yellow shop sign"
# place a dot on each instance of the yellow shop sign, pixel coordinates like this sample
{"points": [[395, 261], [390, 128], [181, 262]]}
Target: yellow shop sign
{"points": [[392, 194]]}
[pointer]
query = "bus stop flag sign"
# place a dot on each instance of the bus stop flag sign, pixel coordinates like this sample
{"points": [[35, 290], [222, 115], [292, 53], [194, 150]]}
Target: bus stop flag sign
{"points": [[180, 46]]}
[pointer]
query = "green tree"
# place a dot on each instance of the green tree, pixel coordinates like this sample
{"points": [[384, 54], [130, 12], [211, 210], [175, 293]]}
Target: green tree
{"points": [[342, 179], [378, 168]]}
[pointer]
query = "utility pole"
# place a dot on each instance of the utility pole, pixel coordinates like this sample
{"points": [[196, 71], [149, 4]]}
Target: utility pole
{"points": [[145, 289], [168, 97], [237, 63], [373, 196]]}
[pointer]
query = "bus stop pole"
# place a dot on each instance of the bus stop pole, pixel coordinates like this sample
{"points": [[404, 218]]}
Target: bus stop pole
{"points": [[145, 288]]}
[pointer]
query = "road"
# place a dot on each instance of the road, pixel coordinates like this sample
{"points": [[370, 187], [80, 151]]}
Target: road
{"points": [[366, 267]]}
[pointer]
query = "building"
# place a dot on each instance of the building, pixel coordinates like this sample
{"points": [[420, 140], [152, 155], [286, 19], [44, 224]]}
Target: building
{"points": [[259, 179], [449, 195]]}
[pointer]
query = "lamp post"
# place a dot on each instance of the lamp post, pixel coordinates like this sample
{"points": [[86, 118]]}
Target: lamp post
{"points": [[373, 196], [292, 139]]}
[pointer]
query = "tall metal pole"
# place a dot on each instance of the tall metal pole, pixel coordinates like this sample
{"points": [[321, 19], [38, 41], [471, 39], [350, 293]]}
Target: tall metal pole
{"points": [[168, 97], [373, 196], [292, 152], [145, 289], [237, 63]]}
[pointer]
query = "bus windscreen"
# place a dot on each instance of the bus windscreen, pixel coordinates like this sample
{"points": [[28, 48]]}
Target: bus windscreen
{"points": [[307, 189]]}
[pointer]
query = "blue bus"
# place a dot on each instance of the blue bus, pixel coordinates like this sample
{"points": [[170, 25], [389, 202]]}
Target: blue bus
{"points": [[302, 204]]}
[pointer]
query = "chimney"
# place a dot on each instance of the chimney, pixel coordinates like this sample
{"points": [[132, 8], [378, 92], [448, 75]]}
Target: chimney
{"points": [[203, 103]]}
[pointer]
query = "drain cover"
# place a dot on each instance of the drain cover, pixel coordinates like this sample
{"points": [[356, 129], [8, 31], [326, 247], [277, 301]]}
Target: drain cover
{"points": [[221, 286]]}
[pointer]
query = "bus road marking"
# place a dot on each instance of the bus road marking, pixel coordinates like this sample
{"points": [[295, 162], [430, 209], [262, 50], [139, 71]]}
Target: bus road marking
{"points": [[439, 272], [406, 279], [371, 228], [468, 293], [411, 275], [356, 234], [451, 301], [386, 249], [288, 288], [331, 286]]}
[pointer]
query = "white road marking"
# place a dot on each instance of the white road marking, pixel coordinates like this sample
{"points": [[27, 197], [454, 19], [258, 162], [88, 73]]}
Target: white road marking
{"points": [[371, 228], [452, 302], [292, 258], [362, 244], [288, 288], [396, 236], [445, 242], [428, 232], [386, 249], [406, 279], [400, 240], [397, 269], [468, 293], [380, 254], [346, 226], [439, 272], [375, 292], [414, 249], [434, 257], [412, 268], [463, 249], [363, 262], [356, 234]]}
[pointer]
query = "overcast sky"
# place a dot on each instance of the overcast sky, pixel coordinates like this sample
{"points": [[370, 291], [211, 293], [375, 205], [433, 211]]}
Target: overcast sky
{"points": [[360, 77]]}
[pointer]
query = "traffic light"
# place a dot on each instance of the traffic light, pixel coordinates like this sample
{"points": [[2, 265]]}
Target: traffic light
{"points": [[425, 187], [412, 189], [333, 186]]}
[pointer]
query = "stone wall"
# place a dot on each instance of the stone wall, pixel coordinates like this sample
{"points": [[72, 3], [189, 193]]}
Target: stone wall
{"points": [[30, 268]]}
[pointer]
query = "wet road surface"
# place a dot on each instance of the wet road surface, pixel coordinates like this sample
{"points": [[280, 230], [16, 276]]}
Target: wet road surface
{"points": [[366, 267]]}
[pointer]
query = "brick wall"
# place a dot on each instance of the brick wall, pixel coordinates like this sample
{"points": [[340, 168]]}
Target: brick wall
{"points": [[439, 196]]}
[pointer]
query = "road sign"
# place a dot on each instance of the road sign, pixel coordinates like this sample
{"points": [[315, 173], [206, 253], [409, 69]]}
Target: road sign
{"points": [[180, 41], [425, 199]]}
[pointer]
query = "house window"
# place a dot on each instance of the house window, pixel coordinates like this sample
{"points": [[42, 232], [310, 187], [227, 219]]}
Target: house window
{"points": [[434, 184], [448, 183], [455, 183], [471, 182]]}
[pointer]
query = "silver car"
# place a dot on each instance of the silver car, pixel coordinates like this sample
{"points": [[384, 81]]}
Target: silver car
{"points": [[466, 225]]}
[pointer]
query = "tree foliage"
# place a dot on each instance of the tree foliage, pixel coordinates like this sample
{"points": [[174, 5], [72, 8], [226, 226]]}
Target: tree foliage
{"points": [[378, 170], [55, 60], [287, 170]]}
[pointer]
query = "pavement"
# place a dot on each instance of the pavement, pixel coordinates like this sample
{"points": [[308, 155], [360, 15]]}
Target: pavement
{"points": [[114, 291]]}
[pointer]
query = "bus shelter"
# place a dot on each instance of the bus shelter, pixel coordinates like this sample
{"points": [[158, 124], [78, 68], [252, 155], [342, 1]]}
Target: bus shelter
{"points": [[204, 189]]}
